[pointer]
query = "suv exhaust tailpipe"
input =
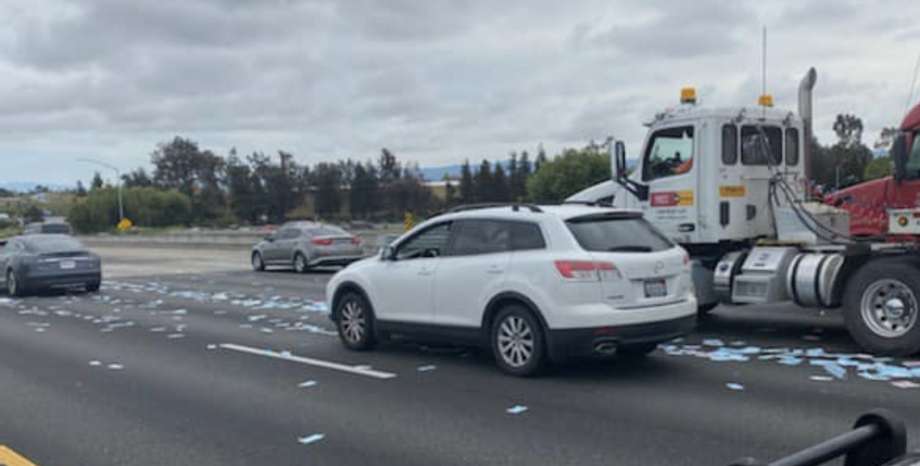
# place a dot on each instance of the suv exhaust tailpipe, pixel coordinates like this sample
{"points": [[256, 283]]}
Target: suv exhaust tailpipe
{"points": [[606, 348]]}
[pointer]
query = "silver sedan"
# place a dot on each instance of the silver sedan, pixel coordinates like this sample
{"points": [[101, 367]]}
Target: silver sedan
{"points": [[303, 245]]}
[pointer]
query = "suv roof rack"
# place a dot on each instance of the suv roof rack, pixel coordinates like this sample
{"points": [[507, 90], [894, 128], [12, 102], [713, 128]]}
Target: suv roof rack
{"points": [[589, 203], [515, 206]]}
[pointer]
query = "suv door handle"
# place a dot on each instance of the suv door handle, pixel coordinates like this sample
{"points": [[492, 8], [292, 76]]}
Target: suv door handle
{"points": [[425, 271], [495, 269]]}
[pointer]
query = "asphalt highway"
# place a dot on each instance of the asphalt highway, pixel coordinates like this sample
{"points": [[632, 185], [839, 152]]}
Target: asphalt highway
{"points": [[188, 357]]}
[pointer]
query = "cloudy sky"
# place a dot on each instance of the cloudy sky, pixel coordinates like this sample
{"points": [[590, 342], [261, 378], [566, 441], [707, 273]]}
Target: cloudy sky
{"points": [[434, 81]]}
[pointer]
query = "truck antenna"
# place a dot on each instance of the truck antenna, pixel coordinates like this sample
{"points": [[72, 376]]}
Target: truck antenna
{"points": [[913, 83], [763, 70]]}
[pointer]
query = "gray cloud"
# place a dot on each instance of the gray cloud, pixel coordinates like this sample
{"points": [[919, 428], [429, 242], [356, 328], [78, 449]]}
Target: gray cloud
{"points": [[435, 81]]}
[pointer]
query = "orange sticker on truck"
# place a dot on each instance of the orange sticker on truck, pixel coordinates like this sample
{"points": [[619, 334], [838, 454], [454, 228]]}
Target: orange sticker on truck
{"points": [[671, 198], [732, 191]]}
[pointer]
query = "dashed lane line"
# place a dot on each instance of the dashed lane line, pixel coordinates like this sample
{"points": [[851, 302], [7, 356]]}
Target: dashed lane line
{"points": [[357, 370]]}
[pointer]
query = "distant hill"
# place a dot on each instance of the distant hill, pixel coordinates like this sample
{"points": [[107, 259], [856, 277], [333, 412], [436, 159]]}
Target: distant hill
{"points": [[453, 171], [27, 186]]}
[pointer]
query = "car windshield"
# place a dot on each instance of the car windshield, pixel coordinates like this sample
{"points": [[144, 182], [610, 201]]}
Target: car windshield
{"points": [[42, 244], [617, 233]]}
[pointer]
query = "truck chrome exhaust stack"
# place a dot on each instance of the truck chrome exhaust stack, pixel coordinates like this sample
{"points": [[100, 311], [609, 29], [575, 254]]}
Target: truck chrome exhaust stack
{"points": [[805, 112]]}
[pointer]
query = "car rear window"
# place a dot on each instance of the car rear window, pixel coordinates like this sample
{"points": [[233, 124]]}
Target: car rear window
{"points": [[326, 231], [617, 233], [55, 228], [42, 244]]}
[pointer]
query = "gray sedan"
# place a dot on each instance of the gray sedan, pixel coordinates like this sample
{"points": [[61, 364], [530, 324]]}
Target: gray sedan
{"points": [[36, 262], [303, 245]]}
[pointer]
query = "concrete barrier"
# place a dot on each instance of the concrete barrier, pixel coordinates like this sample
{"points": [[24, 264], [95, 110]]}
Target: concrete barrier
{"points": [[239, 240]]}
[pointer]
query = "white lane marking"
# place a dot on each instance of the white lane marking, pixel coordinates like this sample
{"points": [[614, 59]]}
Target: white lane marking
{"points": [[310, 439], [516, 409], [358, 370]]}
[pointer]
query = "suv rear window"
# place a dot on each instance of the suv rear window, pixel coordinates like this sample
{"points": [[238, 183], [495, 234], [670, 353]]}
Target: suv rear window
{"points": [[617, 233]]}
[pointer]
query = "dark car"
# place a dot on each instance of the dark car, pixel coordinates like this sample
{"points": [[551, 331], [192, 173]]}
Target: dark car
{"points": [[57, 228], [36, 262]]}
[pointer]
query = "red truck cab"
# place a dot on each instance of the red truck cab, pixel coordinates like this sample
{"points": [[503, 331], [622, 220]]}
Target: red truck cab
{"points": [[868, 202]]}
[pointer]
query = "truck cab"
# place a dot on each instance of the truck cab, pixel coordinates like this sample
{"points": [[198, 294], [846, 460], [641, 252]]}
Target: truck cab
{"points": [[702, 178], [885, 206]]}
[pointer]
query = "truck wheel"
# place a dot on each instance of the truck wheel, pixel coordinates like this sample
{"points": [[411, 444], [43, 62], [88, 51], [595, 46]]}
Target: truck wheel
{"points": [[882, 305]]}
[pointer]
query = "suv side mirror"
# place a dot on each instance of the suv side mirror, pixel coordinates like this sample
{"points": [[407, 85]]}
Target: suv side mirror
{"points": [[388, 253], [619, 160], [899, 156]]}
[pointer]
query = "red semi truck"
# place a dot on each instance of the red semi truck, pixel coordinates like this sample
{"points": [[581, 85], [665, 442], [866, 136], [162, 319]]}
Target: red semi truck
{"points": [[871, 203]]}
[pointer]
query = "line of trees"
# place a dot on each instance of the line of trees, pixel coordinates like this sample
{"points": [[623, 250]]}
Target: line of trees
{"points": [[848, 160], [191, 185]]}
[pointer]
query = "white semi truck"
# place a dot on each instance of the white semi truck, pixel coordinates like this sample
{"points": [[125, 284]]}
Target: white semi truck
{"points": [[731, 185]]}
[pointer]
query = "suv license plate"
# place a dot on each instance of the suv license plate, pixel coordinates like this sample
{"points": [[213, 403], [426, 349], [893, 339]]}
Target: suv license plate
{"points": [[655, 288], [68, 265]]}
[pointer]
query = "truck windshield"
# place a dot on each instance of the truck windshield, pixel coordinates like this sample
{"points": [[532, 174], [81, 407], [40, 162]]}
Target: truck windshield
{"points": [[913, 160], [669, 152], [617, 234]]}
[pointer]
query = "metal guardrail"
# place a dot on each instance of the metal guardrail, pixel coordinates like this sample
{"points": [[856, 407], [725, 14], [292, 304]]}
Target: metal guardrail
{"points": [[878, 438]]}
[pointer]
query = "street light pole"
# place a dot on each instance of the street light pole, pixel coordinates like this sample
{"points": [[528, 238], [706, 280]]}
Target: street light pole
{"points": [[121, 207]]}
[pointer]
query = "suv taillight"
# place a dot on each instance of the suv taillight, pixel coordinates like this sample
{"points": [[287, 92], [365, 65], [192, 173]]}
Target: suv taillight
{"points": [[587, 270]]}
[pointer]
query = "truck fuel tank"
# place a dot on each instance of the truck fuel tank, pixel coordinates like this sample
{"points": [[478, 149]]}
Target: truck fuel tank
{"points": [[763, 275], [811, 278]]}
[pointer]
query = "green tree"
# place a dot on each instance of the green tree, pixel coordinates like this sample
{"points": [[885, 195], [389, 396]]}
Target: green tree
{"points": [[97, 182], [878, 168], [180, 164], [467, 195], [136, 179], [362, 192], [541, 158], [33, 214], [849, 129], [567, 174], [524, 170], [148, 206], [240, 183], [450, 193], [482, 183], [501, 191], [327, 178], [81, 190], [514, 178]]}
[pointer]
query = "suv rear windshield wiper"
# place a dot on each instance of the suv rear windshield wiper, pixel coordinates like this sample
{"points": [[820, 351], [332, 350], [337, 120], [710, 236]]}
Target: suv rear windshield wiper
{"points": [[630, 249]]}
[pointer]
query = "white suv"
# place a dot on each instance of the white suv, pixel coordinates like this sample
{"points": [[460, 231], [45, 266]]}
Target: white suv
{"points": [[530, 282]]}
